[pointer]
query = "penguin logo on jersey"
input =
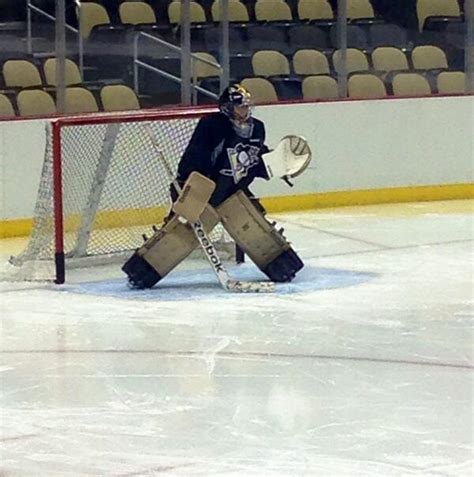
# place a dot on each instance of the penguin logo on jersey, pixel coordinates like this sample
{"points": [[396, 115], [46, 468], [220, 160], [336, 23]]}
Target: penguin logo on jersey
{"points": [[242, 157]]}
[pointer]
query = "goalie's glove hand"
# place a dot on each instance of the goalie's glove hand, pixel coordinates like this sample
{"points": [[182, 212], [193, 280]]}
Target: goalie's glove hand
{"points": [[289, 159]]}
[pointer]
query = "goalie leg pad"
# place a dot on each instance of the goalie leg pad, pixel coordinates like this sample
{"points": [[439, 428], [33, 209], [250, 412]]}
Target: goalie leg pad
{"points": [[194, 197], [259, 239], [166, 249]]}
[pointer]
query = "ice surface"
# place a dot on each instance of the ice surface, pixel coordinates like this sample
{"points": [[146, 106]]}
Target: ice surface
{"points": [[360, 367]]}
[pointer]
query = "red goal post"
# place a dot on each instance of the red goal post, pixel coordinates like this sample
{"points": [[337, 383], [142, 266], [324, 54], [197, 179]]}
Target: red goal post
{"points": [[102, 188]]}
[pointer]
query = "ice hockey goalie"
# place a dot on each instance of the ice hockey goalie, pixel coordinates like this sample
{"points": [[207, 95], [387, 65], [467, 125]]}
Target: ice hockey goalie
{"points": [[225, 154]]}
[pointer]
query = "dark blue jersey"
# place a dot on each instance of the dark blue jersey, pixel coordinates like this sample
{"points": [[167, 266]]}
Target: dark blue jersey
{"points": [[231, 157]]}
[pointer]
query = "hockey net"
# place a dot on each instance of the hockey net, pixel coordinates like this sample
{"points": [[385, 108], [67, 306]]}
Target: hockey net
{"points": [[102, 189]]}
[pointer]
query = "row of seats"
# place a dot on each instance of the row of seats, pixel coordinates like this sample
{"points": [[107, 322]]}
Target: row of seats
{"points": [[33, 102], [360, 86], [135, 12], [420, 12], [311, 61], [25, 73], [289, 38], [428, 12]]}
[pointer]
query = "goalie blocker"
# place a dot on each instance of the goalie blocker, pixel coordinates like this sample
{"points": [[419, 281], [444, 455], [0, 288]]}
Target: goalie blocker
{"points": [[246, 224]]}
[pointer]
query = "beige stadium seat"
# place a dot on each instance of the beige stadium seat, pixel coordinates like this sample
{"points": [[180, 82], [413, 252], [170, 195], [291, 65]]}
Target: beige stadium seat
{"points": [[410, 84], [315, 10], [6, 107], [270, 63], [451, 82], [91, 14], [366, 86], [272, 10], [429, 8], [80, 100], [21, 74], [72, 73], [137, 13], [389, 58], [429, 57], [359, 9], [237, 11], [205, 70], [320, 87], [35, 102], [356, 60], [261, 89], [310, 62], [119, 97], [197, 13]]}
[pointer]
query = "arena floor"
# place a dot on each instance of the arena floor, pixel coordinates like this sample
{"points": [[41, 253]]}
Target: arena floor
{"points": [[363, 366]]}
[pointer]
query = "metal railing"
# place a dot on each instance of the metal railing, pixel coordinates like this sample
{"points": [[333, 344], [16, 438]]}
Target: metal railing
{"points": [[137, 64], [30, 9]]}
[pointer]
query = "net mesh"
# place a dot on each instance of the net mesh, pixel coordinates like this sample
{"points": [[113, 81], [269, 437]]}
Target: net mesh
{"points": [[115, 189]]}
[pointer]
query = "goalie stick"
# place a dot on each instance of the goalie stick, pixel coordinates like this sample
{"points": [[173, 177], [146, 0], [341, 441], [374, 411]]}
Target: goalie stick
{"points": [[206, 244]]}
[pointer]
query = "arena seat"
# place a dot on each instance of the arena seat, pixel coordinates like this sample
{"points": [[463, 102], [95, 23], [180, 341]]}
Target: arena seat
{"points": [[270, 63], [238, 11], [356, 37], [410, 84], [307, 36], [137, 13], [356, 60], [436, 8], [119, 98], [6, 107], [315, 10], [261, 89], [320, 87], [387, 34], [197, 13], [72, 73], [429, 57], [79, 100], [35, 102], [266, 37], [91, 14], [19, 73], [205, 70], [273, 11], [365, 86], [360, 9], [451, 82], [389, 58], [310, 62]]}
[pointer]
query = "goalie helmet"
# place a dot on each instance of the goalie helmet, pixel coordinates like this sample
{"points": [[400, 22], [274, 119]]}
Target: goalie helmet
{"points": [[233, 96]]}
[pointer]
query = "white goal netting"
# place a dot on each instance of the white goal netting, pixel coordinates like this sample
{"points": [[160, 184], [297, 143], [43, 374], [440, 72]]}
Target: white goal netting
{"points": [[114, 189]]}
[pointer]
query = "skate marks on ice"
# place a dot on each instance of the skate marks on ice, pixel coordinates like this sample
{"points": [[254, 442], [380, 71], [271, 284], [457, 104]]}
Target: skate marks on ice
{"points": [[197, 284]]}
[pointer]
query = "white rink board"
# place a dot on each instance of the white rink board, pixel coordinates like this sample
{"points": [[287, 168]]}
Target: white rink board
{"points": [[357, 144]]}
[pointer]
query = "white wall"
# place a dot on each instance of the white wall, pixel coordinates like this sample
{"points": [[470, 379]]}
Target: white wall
{"points": [[22, 145], [379, 144], [357, 145]]}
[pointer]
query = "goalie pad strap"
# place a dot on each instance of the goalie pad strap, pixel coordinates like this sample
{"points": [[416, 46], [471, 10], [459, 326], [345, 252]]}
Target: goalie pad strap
{"points": [[257, 237]]}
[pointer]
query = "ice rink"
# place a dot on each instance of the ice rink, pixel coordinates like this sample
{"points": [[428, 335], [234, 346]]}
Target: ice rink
{"points": [[363, 366]]}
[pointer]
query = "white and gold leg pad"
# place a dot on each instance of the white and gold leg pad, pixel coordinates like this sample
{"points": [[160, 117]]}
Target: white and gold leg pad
{"points": [[166, 249], [258, 238]]}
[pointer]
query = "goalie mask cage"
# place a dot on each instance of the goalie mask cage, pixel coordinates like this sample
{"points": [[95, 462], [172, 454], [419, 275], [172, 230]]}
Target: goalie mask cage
{"points": [[102, 188]]}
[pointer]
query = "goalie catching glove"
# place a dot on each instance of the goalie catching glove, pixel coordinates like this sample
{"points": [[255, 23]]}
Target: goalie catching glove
{"points": [[289, 159]]}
